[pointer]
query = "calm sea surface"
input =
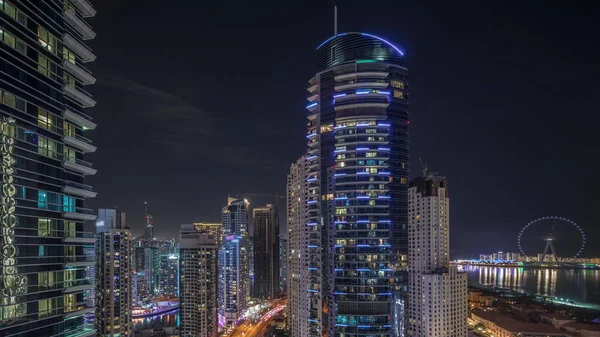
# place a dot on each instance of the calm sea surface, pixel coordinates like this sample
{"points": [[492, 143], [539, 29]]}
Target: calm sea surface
{"points": [[575, 284]]}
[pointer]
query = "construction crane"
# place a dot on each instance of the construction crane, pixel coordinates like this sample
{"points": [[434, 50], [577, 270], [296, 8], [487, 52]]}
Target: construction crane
{"points": [[424, 167]]}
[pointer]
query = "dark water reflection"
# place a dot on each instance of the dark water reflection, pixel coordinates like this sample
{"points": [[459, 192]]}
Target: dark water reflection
{"points": [[156, 322], [575, 284]]}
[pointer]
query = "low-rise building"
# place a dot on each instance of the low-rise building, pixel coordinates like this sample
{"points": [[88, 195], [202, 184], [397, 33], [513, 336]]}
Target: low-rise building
{"points": [[582, 329], [501, 325], [556, 319]]}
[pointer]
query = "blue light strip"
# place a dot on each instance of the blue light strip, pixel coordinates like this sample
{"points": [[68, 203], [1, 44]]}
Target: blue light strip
{"points": [[341, 221], [331, 38], [311, 135], [384, 197], [312, 291], [362, 149], [311, 179], [383, 149], [363, 221], [311, 202], [363, 197], [384, 173], [339, 95], [339, 174], [383, 124], [312, 246], [362, 172], [363, 269], [385, 221], [362, 92], [363, 245], [312, 224], [313, 268], [338, 151], [311, 157], [380, 39], [312, 105], [338, 269], [383, 92]]}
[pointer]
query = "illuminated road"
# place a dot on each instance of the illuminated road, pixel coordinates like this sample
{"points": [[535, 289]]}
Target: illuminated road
{"points": [[259, 328]]}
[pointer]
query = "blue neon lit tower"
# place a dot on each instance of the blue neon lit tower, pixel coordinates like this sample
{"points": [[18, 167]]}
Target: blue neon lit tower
{"points": [[356, 185]]}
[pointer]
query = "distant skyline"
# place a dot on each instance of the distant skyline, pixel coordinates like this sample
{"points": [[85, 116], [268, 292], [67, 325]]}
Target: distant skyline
{"points": [[502, 103]]}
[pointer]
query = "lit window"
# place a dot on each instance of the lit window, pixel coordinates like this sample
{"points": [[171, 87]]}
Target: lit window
{"points": [[341, 211], [46, 39], [330, 196], [68, 129], [69, 80], [12, 100], [342, 164], [47, 147], [44, 227], [69, 154], [397, 84], [371, 131], [68, 55], [371, 154], [372, 202], [398, 94]]}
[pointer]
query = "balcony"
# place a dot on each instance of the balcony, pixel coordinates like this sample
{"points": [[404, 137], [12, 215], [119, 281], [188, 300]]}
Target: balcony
{"points": [[77, 286], [80, 214], [80, 190], [85, 123], [89, 239], [76, 264], [71, 312], [78, 96], [78, 24], [361, 105], [365, 85], [84, 52], [379, 74], [79, 142], [87, 10], [80, 166], [83, 75]]}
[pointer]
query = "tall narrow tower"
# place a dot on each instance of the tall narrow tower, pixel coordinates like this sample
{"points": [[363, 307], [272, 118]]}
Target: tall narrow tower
{"points": [[197, 283], [437, 291], [114, 246], [266, 252], [234, 277], [355, 211], [149, 229]]}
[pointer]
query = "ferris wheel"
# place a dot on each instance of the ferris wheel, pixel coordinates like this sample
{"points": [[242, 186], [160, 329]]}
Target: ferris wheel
{"points": [[576, 236]]}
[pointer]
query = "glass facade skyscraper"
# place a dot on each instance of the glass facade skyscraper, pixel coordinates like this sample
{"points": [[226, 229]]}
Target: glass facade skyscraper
{"points": [[356, 170], [234, 277], [266, 252], [42, 122]]}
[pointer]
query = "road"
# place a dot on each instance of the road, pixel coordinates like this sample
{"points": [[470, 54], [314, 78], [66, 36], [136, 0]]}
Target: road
{"points": [[258, 329]]}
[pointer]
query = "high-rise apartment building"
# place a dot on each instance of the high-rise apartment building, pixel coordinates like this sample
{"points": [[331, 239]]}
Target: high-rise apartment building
{"points": [[437, 303], [213, 229], [149, 222], [266, 252], [297, 273], [356, 166], [234, 278], [114, 246], [43, 96], [169, 274], [197, 283], [283, 256]]}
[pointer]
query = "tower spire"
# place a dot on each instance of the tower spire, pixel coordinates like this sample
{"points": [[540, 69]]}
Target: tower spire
{"points": [[334, 20]]}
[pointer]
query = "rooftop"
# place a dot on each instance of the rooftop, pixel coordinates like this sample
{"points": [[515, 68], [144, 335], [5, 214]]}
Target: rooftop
{"points": [[583, 326]]}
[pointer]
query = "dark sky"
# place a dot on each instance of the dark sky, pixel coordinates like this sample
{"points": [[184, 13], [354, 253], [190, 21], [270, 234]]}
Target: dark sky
{"points": [[201, 99]]}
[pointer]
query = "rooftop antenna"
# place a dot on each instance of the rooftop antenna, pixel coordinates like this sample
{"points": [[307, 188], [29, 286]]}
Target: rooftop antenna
{"points": [[424, 167], [334, 20]]}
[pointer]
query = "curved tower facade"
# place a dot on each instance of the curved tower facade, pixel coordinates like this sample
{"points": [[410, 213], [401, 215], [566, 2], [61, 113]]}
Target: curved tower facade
{"points": [[356, 185]]}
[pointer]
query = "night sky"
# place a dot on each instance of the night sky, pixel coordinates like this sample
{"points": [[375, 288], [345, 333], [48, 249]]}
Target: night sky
{"points": [[201, 99]]}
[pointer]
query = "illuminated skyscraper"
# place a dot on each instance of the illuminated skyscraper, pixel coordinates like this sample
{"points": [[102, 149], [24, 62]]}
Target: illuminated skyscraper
{"points": [[297, 273], [213, 229], [356, 188], [266, 252], [114, 246], [43, 220], [234, 278], [437, 303], [197, 283], [169, 274], [149, 221]]}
